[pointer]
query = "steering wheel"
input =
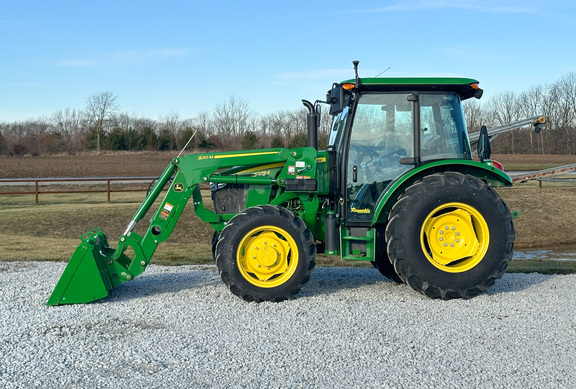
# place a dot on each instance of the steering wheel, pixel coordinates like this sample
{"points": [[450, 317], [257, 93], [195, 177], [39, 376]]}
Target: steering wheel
{"points": [[362, 152]]}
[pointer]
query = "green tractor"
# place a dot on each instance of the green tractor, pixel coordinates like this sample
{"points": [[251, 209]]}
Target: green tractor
{"points": [[397, 186]]}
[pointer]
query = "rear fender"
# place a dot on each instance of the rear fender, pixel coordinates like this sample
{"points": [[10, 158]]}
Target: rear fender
{"points": [[485, 171]]}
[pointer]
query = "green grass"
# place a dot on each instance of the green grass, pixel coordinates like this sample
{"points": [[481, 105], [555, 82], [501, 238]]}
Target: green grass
{"points": [[51, 231], [548, 266]]}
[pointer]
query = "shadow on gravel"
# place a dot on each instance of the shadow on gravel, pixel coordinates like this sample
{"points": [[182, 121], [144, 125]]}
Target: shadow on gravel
{"points": [[518, 282], [324, 281], [330, 280], [165, 282]]}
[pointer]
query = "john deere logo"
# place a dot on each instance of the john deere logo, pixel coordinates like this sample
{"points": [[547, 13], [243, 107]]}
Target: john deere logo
{"points": [[178, 187]]}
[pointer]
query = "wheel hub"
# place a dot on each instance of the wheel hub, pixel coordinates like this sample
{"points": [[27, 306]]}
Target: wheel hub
{"points": [[454, 237], [265, 255]]}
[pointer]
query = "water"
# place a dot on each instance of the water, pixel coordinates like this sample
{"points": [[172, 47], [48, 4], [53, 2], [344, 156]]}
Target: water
{"points": [[567, 253]]}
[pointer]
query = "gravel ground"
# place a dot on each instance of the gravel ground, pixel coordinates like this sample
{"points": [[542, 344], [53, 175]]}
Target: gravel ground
{"points": [[179, 327]]}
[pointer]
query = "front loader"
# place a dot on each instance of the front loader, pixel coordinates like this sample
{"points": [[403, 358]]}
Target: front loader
{"points": [[396, 186]]}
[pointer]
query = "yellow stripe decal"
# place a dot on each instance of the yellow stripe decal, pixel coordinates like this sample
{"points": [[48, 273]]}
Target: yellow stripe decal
{"points": [[244, 155]]}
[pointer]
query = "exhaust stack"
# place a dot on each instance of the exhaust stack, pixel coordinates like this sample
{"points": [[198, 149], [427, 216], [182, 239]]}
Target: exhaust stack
{"points": [[311, 124]]}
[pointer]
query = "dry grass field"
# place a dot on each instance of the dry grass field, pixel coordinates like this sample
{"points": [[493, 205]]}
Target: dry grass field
{"points": [[86, 165], [121, 164], [51, 230]]}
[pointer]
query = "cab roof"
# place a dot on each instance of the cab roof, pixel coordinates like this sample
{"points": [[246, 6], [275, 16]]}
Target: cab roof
{"points": [[465, 87]]}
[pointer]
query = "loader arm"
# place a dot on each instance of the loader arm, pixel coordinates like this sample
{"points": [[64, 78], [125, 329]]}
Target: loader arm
{"points": [[95, 268]]}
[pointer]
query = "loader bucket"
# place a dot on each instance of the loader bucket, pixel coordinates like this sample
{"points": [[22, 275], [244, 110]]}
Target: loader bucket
{"points": [[91, 272]]}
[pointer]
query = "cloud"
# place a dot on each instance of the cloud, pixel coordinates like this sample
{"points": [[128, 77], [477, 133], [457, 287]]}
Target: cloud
{"points": [[557, 11], [485, 6], [123, 56]]}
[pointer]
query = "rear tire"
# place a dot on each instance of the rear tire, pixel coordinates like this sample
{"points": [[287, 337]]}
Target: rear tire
{"points": [[386, 268], [265, 253], [450, 236]]}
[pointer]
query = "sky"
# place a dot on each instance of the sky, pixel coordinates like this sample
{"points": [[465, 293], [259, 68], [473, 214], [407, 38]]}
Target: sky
{"points": [[168, 57]]}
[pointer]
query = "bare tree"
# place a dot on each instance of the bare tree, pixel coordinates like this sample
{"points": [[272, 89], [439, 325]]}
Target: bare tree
{"points": [[173, 124], [123, 120], [69, 123], [100, 107], [474, 114], [232, 118], [567, 107], [503, 109], [531, 104], [204, 123]]}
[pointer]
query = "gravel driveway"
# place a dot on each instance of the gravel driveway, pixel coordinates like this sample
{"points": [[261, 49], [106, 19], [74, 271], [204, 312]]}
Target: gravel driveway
{"points": [[179, 327]]}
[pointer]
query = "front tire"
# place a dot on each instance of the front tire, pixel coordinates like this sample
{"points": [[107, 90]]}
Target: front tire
{"points": [[215, 237], [450, 236], [265, 253]]}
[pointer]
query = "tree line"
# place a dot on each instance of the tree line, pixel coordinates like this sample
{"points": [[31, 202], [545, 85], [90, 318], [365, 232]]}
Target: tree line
{"points": [[556, 101], [101, 125]]}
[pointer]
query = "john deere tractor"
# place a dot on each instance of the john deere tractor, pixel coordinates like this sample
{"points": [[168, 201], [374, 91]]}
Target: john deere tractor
{"points": [[397, 186]]}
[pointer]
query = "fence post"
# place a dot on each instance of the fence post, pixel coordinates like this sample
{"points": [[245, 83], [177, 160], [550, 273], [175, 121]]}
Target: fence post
{"points": [[108, 188], [36, 190]]}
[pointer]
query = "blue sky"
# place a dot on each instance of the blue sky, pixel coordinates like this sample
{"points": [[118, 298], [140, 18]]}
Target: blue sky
{"points": [[186, 57]]}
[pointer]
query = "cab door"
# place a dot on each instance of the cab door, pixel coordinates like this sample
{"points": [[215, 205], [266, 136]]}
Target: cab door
{"points": [[381, 135]]}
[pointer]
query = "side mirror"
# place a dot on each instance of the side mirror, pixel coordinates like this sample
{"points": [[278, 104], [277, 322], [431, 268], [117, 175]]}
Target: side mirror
{"points": [[539, 124], [484, 148], [337, 99]]}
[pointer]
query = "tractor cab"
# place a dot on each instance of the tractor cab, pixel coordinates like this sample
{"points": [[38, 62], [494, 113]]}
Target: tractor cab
{"points": [[385, 127]]}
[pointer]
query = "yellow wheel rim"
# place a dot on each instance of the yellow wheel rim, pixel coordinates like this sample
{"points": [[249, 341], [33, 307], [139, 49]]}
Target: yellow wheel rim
{"points": [[267, 256], [454, 237]]}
